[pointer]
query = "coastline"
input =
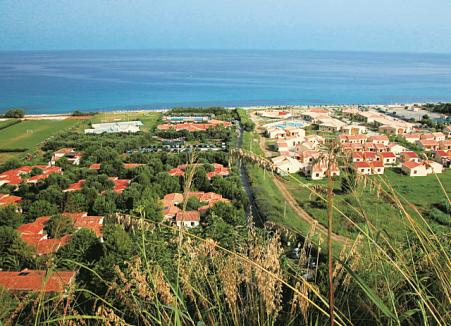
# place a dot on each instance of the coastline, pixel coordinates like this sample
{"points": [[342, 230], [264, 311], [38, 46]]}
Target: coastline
{"points": [[67, 115]]}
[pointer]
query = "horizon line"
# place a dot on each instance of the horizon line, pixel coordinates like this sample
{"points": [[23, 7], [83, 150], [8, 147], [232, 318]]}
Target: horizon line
{"points": [[224, 49]]}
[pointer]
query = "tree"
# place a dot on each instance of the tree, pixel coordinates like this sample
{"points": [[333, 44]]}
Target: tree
{"points": [[75, 202], [168, 183], [103, 205], [59, 225], [41, 208], [10, 216], [10, 165], [217, 229], [193, 204], [14, 114], [15, 254], [53, 195], [228, 213], [200, 179], [83, 247]]}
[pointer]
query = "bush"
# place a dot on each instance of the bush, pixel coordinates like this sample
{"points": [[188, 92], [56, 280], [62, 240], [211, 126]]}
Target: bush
{"points": [[14, 114]]}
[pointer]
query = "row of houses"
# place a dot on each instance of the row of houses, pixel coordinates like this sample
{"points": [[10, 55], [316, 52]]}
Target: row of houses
{"points": [[193, 126], [119, 185], [15, 177]]}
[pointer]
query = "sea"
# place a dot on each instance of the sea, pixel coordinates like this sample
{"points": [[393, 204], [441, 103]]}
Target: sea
{"points": [[64, 81]]}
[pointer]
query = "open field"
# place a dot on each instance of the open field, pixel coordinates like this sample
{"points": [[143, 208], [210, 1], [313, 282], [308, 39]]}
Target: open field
{"points": [[149, 119], [27, 134], [30, 133], [4, 123], [367, 206]]}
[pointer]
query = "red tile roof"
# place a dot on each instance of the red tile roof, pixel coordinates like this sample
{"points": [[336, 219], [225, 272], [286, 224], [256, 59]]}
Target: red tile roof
{"points": [[409, 154], [377, 164], [190, 216], [13, 177], [387, 155], [120, 185], [378, 138], [95, 166], [77, 186], [427, 142], [411, 165], [34, 234], [36, 280], [361, 165], [6, 199]]}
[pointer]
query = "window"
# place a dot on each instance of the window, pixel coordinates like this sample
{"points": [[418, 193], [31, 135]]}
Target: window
{"points": [[362, 170], [192, 223], [317, 174], [23, 273], [414, 171]]}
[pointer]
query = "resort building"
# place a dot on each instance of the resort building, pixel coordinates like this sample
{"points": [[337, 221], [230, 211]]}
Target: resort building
{"points": [[411, 138], [115, 127], [286, 164], [409, 157], [392, 130], [319, 170], [330, 125], [443, 157], [414, 169], [69, 154], [387, 158], [193, 127], [188, 219], [445, 145], [353, 129], [428, 145], [379, 139], [363, 168]]}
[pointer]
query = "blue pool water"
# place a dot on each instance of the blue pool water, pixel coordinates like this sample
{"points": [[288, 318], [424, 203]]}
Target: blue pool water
{"points": [[46, 82]]}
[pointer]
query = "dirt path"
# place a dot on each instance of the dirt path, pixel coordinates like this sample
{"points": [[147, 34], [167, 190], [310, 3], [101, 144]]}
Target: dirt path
{"points": [[295, 206], [304, 215]]}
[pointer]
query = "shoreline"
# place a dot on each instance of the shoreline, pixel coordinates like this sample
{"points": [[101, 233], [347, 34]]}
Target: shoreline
{"points": [[66, 115]]}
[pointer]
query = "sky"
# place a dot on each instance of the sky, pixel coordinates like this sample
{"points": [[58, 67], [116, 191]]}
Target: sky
{"points": [[355, 25]]}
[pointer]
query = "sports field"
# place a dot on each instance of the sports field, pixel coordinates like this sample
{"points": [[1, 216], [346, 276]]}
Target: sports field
{"points": [[149, 119], [27, 134]]}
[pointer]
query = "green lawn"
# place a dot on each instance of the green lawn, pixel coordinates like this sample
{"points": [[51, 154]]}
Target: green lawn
{"points": [[365, 205], [421, 191], [149, 119], [28, 134], [4, 123], [251, 142]]}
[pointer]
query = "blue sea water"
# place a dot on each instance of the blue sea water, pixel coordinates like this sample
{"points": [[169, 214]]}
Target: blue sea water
{"points": [[54, 82]]}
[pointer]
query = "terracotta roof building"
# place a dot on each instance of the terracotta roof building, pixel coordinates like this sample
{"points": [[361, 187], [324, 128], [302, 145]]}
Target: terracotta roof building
{"points": [[36, 281]]}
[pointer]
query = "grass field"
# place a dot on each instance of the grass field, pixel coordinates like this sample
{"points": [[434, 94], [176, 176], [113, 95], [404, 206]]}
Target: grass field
{"points": [[366, 206], [149, 119], [4, 123], [28, 134]]}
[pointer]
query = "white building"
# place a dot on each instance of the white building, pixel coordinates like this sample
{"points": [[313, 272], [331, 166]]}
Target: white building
{"points": [[114, 127]]}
